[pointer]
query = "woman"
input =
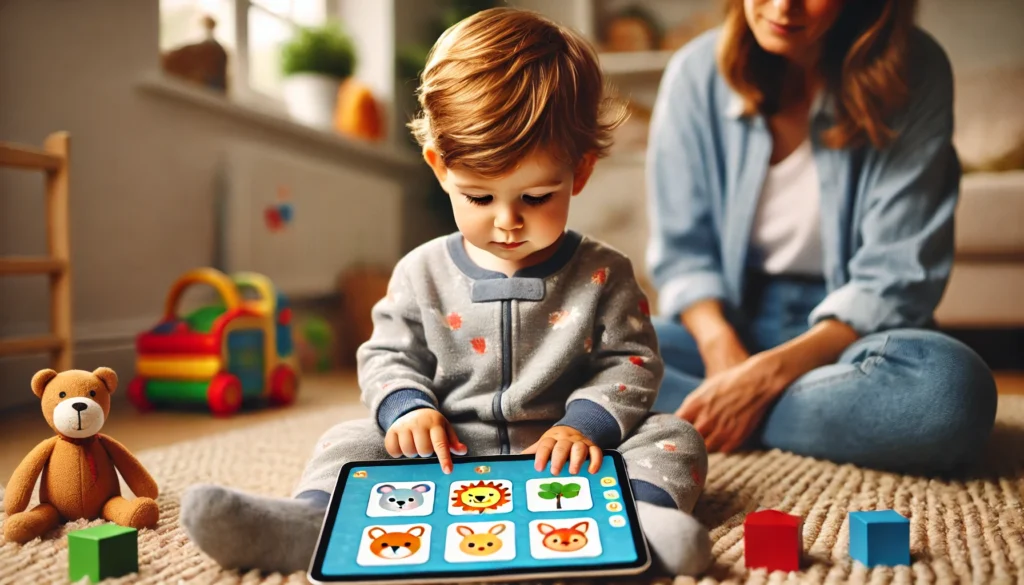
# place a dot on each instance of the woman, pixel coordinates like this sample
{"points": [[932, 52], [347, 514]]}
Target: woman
{"points": [[803, 186]]}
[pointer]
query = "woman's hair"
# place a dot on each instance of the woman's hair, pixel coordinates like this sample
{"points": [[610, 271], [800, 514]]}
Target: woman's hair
{"points": [[504, 83], [863, 62]]}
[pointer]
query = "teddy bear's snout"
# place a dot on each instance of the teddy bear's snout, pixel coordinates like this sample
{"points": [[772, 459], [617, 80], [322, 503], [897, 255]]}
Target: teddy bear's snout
{"points": [[78, 417]]}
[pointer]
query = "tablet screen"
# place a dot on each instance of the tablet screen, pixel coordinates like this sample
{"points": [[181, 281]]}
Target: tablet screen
{"points": [[491, 516]]}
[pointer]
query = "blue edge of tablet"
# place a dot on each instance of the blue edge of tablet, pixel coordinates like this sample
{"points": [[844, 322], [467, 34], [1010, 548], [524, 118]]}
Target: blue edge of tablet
{"points": [[493, 516]]}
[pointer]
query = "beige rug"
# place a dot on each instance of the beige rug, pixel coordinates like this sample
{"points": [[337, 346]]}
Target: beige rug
{"points": [[961, 532]]}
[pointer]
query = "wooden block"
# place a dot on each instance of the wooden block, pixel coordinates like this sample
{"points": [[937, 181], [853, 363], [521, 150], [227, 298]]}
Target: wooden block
{"points": [[103, 551], [773, 540], [880, 538]]}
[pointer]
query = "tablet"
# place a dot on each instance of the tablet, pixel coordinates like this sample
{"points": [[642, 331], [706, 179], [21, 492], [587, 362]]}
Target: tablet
{"points": [[493, 518]]}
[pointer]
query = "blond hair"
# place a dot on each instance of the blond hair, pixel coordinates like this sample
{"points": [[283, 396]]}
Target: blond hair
{"points": [[864, 62], [505, 83]]}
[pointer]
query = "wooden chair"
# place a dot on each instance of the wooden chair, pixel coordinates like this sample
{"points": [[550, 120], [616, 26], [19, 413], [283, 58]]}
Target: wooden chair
{"points": [[53, 160]]}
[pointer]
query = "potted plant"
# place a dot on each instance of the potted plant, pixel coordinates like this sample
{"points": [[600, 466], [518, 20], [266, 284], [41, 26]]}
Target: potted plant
{"points": [[315, 63]]}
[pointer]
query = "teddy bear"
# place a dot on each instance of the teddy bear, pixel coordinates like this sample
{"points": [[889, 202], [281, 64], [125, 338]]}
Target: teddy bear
{"points": [[79, 465]]}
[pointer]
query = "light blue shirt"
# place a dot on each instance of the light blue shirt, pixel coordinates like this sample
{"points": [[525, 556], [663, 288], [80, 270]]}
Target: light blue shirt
{"points": [[887, 215]]}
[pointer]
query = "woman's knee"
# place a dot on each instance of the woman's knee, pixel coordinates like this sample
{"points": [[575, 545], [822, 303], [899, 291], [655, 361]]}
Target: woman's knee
{"points": [[956, 388]]}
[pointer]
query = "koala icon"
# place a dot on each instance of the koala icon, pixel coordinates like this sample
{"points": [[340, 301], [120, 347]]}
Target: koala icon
{"points": [[400, 499]]}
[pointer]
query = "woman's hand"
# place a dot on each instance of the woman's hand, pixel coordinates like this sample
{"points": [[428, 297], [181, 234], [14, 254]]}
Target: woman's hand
{"points": [[721, 352], [562, 443], [727, 407], [424, 432]]}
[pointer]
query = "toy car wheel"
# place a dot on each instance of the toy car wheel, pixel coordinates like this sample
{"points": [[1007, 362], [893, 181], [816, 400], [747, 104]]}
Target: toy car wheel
{"points": [[283, 386], [224, 394], [137, 395]]}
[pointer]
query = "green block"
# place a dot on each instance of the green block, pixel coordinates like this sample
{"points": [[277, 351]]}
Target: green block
{"points": [[103, 551]]}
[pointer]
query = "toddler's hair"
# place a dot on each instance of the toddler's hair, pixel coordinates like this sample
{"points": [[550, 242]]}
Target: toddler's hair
{"points": [[504, 83]]}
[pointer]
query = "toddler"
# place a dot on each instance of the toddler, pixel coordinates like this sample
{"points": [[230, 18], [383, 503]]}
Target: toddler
{"points": [[511, 335]]}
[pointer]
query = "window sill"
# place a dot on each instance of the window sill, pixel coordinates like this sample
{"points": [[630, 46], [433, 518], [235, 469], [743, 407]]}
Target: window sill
{"points": [[182, 91]]}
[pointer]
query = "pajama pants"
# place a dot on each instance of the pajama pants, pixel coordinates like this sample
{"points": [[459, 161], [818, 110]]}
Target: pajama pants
{"points": [[665, 457]]}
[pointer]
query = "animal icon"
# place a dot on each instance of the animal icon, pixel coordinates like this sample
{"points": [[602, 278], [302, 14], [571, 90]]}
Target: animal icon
{"points": [[359, 474], [483, 544], [564, 539], [401, 499], [482, 469], [395, 545], [481, 496]]}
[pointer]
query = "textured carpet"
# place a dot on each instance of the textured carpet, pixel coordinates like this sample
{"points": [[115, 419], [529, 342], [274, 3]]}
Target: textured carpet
{"points": [[962, 531]]}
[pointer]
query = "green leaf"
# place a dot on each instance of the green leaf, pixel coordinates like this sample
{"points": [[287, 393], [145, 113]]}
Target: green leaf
{"points": [[547, 495], [546, 487], [555, 486]]}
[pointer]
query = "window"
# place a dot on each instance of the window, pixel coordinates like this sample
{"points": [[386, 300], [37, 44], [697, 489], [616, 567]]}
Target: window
{"points": [[251, 31]]}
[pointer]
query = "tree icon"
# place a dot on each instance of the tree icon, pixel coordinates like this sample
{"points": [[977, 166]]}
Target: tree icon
{"points": [[556, 491]]}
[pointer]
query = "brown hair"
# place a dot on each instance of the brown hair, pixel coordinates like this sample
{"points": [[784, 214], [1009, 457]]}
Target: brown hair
{"points": [[863, 61], [504, 82]]}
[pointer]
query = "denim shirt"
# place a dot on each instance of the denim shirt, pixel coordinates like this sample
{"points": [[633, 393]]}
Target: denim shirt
{"points": [[886, 215]]}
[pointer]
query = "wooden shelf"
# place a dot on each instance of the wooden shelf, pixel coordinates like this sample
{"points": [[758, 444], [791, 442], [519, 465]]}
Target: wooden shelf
{"points": [[27, 345], [635, 63], [27, 265], [28, 158]]}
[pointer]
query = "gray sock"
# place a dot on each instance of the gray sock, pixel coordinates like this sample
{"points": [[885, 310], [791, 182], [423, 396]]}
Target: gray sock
{"points": [[243, 531], [679, 544]]}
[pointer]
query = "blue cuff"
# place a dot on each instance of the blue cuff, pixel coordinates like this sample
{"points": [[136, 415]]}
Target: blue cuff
{"points": [[680, 292], [648, 492], [862, 310], [596, 423], [401, 402]]}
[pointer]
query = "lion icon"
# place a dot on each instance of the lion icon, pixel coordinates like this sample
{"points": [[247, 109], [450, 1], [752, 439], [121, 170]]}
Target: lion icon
{"points": [[481, 497]]}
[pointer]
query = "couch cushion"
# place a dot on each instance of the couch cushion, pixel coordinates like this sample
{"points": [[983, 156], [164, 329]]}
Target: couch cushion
{"points": [[990, 217]]}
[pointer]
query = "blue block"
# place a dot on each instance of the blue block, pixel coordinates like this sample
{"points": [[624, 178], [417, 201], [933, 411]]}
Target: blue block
{"points": [[880, 537]]}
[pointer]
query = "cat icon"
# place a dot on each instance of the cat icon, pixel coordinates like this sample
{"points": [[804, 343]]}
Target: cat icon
{"points": [[406, 544], [395, 545]]}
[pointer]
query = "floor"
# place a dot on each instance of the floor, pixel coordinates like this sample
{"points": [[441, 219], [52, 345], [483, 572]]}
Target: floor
{"points": [[22, 430]]}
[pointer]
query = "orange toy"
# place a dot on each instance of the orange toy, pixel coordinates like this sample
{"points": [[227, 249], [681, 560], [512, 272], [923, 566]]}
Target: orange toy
{"points": [[79, 466]]}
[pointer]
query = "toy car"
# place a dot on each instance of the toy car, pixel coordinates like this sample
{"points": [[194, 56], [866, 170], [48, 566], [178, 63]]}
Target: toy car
{"points": [[222, 355]]}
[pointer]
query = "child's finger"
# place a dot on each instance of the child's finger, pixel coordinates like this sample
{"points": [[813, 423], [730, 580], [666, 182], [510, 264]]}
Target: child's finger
{"points": [[421, 438], [577, 455], [407, 442], [440, 444], [543, 450], [391, 444], [596, 457], [559, 455], [454, 443]]}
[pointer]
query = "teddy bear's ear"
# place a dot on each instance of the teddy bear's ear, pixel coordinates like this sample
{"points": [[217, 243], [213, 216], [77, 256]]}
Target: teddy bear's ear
{"points": [[108, 376], [40, 380]]}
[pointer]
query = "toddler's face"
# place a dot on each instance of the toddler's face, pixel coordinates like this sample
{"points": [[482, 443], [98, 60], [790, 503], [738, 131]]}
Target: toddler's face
{"points": [[515, 218]]}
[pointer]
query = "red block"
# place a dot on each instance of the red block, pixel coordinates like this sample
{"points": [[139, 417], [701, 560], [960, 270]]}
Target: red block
{"points": [[773, 540]]}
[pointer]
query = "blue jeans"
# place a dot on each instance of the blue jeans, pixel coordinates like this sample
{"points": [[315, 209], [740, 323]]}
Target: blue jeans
{"points": [[902, 400]]}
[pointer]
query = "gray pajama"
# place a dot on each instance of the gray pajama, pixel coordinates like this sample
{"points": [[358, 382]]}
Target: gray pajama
{"points": [[566, 342]]}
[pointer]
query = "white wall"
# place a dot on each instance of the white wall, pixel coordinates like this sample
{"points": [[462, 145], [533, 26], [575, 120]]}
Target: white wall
{"points": [[142, 174], [980, 34]]}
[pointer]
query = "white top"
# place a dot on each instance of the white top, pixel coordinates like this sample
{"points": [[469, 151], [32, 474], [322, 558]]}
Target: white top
{"points": [[787, 226]]}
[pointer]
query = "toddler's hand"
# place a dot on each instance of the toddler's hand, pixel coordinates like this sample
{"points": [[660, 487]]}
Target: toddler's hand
{"points": [[561, 443], [424, 432]]}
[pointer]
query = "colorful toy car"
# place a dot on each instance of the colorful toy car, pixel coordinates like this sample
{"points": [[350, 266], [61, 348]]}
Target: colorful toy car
{"points": [[222, 355]]}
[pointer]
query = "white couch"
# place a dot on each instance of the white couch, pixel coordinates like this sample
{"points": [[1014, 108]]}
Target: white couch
{"points": [[986, 287]]}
